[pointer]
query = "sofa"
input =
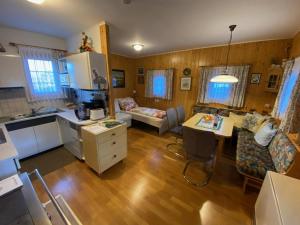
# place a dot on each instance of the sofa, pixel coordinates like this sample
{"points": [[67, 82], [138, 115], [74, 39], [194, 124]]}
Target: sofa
{"points": [[253, 160]]}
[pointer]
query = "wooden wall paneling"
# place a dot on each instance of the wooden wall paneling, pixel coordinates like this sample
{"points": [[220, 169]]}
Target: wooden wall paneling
{"points": [[295, 50], [127, 64], [257, 54]]}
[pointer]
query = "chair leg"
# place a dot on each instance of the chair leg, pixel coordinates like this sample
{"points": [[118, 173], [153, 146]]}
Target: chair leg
{"points": [[177, 143], [246, 179], [188, 179]]}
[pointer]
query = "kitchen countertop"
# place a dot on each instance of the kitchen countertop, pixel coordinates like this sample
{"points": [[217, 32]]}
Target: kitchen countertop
{"points": [[7, 149]]}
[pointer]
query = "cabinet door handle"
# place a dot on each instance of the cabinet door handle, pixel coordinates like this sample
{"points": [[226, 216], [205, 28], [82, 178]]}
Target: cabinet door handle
{"points": [[115, 156], [114, 143], [113, 134]]}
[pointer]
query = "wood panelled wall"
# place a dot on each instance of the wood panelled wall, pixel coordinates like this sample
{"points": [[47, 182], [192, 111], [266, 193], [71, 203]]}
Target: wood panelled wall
{"points": [[258, 54], [295, 50], [127, 64]]}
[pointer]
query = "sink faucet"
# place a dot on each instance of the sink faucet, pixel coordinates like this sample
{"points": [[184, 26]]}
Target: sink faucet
{"points": [[34, 111]]}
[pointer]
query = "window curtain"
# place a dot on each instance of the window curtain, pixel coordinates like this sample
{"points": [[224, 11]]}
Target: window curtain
{"points": [[232, 94], [164, 89], [34, 53], [285, 77], [286, 124]]}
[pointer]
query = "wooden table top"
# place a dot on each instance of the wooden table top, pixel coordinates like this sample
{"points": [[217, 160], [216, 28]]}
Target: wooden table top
{"points": [[224, 131]]}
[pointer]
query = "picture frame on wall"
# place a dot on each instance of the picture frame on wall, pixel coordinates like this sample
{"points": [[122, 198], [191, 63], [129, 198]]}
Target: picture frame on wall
{"points": [[255, 78], [118, 78], [185, 83], [140, 71]]}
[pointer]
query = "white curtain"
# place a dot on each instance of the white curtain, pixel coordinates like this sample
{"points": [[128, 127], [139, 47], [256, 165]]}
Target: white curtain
{"points": [[159, 84], [41, 72], [289, 96], [227, 94], [277, 109]]}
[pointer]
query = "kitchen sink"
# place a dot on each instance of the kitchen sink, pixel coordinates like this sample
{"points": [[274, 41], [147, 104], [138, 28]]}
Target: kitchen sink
{"points": [[30, 115]]}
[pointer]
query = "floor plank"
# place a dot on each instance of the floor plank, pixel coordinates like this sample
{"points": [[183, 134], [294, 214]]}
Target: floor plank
{"points": [[148, 188]]}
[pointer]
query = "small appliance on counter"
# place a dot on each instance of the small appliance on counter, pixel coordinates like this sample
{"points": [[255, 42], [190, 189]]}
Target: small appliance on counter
{"points": [[97, 114], [82, 112]]}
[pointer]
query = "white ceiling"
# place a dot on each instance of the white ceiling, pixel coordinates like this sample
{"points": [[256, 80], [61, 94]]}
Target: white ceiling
{"points": [[161, 25]]}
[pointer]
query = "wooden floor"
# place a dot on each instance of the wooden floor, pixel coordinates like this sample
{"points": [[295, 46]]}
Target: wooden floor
{"points": [[148, 188]]}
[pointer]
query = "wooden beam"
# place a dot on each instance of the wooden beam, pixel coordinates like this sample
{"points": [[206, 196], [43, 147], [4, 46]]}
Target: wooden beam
{"points": [[105, 49]]}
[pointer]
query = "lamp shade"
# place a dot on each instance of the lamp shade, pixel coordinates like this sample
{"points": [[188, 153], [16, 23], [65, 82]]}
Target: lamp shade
{"points": [[224, 78]]}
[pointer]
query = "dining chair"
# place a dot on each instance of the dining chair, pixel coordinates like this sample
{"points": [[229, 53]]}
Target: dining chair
{"points": [[200, 147], [175, 129], [180, 115]]}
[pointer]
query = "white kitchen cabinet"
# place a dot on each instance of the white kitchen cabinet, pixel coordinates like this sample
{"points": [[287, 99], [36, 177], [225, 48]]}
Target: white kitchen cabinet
{"points": [[47, 136], [12, 72], [84, 70], [24, 141], [104, 147], [278, 201]]}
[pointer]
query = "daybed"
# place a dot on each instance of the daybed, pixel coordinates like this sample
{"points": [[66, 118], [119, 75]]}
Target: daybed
{"points": [[150, 116]]}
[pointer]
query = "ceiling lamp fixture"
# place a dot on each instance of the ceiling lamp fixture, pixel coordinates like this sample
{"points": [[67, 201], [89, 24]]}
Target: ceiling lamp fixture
{"points": [[138, 47], [225, 77], [36, 1]]}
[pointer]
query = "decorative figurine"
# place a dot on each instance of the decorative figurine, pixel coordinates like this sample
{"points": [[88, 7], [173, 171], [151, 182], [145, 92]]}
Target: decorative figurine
{"points": [[86, 43]]}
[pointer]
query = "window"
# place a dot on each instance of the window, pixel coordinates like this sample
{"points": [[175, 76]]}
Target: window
{"points": [[159, 85], [219, 93], [286, 93], [42, 76]]}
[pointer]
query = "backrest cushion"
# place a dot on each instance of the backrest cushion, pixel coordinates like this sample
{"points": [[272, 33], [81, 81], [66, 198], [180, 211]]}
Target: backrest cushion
{"points": [[253, 121], [282, 152], [172, 118], [127, 103], [265, 133], [237, 119]]}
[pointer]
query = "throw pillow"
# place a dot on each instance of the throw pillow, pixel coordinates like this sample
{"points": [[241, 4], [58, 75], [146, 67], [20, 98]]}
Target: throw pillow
{"points": [[127, 103], [237, 119], [253, 121], [265, 134]]}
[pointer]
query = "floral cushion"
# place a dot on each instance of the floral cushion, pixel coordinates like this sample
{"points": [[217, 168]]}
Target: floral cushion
{"points": [[237, 119], [127, 103], [251, 158], [282, 152], [253, 121]]}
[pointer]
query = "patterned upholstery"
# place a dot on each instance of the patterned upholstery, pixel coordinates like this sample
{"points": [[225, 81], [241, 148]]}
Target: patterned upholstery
{"points": [[251, 158], [282, 152], [213, 110]]}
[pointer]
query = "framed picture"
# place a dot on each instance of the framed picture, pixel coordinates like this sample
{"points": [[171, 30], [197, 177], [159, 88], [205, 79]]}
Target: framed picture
{"points": [[185, 83], [255, 78], [118, 78], [140, 71], [140, 79]]}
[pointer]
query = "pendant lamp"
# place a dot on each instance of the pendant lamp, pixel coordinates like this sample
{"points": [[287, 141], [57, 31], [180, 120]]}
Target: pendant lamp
{"points": [[225, 77]]}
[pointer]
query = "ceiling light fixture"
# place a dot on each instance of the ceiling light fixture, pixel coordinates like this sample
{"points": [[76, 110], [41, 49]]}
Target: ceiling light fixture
{"points": [[138, 47], [36, 1], [225, 77]]}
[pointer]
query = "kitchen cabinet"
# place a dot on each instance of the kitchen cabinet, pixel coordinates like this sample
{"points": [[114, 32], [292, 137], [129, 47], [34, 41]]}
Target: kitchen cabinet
{"points": [[278, 201], [47, 136], [24, 141], [12, 72], [35, 135], [274, 79], [85, 70], [71, 137], [104, 147]]}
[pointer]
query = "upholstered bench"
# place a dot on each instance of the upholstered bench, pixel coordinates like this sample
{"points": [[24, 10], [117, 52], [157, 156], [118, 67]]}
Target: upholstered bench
{"points": [[253, 161]]}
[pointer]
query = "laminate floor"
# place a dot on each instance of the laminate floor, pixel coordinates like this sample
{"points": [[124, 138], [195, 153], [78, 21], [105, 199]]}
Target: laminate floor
{"points": [[148, 188]]}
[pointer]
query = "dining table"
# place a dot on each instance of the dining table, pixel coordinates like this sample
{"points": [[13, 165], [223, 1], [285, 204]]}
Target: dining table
{"points": [[223, 131]]}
